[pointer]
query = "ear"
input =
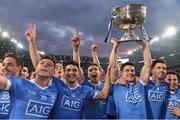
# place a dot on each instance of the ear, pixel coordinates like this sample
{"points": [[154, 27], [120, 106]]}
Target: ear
{"points": [[88, 75], [152, 70], [19, 68]]}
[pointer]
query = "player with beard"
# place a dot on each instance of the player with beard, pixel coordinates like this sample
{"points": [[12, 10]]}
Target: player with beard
{"points": [[129, 100], [97, 106], [72, 96], [173, 97], [11, 66], [156, 91]]}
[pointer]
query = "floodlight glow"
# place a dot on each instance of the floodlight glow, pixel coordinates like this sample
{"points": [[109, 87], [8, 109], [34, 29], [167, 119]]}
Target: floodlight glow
{"points": [[163, 36], [155, 39], [162, 57], [130, 52], [140, 61], [14, 40], [5, 34], [41, 52], [123, 60], [20, 45], [170, 31], [171, 55]]}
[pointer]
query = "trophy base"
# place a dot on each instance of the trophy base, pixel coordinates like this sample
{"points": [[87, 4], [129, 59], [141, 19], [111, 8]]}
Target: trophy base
{"points": [[129, 36]]}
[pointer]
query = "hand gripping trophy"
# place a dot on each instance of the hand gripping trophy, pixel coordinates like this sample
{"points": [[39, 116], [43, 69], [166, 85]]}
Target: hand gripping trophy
{"points": [[128, 17]]}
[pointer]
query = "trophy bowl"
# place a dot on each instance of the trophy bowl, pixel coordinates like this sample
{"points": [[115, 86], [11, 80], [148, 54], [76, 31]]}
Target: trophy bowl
{"points": [[128, 17]]}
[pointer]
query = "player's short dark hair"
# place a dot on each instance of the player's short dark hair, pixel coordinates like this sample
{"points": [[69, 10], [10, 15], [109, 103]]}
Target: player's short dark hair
{"points": [[125, 64], [48, 57], [158, 61], [92, 64], [173, 73], [18, 59], [71, 63]]}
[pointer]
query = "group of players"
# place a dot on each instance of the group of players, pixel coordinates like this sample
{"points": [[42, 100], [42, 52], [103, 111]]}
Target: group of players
{"points": [[57, 91]]}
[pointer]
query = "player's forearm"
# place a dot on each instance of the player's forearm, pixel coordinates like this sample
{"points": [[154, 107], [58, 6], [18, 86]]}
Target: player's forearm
{"points": [[113, 64], [35, 58], [147, 56], [113, 56], [81, 76], [145, 72], [103, 94], [76, 55], [96, 59]]}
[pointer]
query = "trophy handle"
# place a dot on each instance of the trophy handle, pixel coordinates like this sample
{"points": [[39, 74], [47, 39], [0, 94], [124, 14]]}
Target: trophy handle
{"points": [[144, 33], [109, 31]]}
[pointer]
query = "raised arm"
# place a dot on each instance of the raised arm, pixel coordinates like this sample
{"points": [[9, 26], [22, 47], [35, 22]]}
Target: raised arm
{"points": [[31, 38], [76, 56], [94, 49], [103, 94], [113, 61], [146, 69]]}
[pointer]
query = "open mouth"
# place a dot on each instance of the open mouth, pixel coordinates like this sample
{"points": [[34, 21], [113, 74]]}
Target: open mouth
{"points": [[44, 70], [94, 76]]}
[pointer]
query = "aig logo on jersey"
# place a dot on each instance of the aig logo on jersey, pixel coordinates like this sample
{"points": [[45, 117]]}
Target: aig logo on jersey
{"points": [[71, 103], [173, 103], [156, 96], [133, 97], [40, 109]]}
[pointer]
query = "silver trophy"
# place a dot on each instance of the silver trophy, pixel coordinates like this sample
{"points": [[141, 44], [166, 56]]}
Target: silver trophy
{"points": [[128, 17]]}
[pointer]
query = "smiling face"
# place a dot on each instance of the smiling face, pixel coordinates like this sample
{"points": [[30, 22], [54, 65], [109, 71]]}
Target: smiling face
{"points": [[172, 81], [45, 68], [159, 71], [71, 74], [9, 67], [128, 73]]}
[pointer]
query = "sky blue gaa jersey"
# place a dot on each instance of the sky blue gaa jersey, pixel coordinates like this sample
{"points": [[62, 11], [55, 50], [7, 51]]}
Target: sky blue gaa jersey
{"points": [[28, 101], [173, 101], [130, 101], [70, 102], [97, 106], [156, 101], [111, 109], [4, 104]]}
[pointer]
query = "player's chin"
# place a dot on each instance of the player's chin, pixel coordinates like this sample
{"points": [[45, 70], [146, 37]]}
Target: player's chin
{"points": [[131, 80], [44, 74]]}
